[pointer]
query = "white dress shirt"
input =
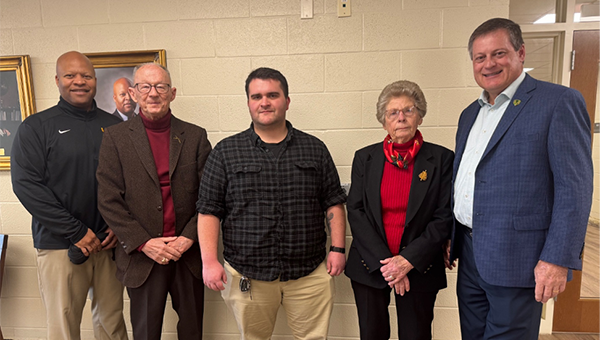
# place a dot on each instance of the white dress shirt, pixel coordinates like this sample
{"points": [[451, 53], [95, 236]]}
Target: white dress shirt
{"points": [[485, 124], [124, 117]]}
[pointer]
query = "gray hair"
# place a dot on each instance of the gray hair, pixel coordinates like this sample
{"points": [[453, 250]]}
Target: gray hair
{"points": [[398, 89], [135, 69], [513, 29]]}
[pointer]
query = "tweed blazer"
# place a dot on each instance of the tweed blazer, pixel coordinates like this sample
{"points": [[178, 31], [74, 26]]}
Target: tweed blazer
{"points": [[129, 193], [428, 218], [533, 184]]}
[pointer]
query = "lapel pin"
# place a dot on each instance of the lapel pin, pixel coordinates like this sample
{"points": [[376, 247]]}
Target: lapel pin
{"points": [[516, 102], [423, 176], [179, 140]]}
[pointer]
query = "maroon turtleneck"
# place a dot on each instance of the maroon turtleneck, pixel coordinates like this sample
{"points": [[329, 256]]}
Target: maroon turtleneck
{"points": [[395, 190], [159, 136]]}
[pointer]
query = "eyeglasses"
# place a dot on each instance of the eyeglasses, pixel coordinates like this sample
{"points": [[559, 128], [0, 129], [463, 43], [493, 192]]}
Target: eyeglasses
{"points": [[146, 88], [408, 112]]}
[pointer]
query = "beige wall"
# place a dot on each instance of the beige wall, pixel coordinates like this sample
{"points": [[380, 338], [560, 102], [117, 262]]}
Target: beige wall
{"points": [[335, 66]]}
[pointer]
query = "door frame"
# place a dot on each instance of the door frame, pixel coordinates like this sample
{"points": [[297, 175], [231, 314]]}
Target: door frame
{"points": [[571, 312]]}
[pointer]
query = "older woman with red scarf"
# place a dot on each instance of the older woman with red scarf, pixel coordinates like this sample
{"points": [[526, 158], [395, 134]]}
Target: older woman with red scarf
{"points": [[400, 217]]}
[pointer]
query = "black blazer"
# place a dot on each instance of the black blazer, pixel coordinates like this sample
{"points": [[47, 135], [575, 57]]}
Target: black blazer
{"points": [[428, 218]]}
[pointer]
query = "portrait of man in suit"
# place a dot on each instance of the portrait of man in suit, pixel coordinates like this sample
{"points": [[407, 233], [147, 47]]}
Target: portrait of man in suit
{"points": [[148, 176], [125, 104], [113, 88], [522, 190]]}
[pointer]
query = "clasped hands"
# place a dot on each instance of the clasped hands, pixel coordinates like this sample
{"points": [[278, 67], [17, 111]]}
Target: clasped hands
{"points": [[90, 243], [394, 271], [164, 249]]}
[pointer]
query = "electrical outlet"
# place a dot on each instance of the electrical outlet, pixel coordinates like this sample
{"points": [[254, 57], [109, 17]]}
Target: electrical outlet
{"points": [[344, 8]]}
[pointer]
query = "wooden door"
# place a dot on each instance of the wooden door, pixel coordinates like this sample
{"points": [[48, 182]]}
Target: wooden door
{"points": [[571, 312]]}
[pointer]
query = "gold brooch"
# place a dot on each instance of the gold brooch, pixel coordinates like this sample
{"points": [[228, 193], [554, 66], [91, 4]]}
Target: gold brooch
{"points": [[101, 128], [516, 102], [423, 175]]}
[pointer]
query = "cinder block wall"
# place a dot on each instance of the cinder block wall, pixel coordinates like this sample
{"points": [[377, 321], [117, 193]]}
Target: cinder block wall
{"points": [[336, 67]]}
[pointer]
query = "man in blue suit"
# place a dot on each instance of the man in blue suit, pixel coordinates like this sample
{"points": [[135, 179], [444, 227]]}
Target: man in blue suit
{"points": [[522, 190]]}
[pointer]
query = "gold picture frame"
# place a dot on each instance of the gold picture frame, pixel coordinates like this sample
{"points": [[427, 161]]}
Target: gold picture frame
{"points": [[111, 66], [16, 100], [127, 59]]}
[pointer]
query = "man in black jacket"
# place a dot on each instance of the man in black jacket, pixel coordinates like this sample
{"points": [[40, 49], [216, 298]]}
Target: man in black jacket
{"points": [[53, 166]]}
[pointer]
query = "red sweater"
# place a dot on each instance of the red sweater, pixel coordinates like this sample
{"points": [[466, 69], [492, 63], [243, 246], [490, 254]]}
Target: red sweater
{"points": [[395, 189], [159, 136]]}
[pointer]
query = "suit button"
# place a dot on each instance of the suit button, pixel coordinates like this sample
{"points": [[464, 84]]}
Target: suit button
{"points": [[159, 208], [159, 234], [367, 268]]}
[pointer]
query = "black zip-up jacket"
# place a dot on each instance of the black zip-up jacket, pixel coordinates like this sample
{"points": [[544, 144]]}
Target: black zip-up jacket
{"points": [[53, 169]]}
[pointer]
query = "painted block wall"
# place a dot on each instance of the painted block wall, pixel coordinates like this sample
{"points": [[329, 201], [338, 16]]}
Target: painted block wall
{"points": [[336, 68]]}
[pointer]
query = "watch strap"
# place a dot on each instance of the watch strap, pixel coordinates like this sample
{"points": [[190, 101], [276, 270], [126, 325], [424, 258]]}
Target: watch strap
{"points": [[337, 249]]}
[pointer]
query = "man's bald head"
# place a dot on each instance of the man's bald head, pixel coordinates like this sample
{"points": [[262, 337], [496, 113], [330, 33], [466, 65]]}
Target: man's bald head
{"points": [[76, 79], [122, 98]]}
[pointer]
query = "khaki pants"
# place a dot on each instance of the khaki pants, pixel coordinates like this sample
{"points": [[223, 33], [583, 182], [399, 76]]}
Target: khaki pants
{"points": [[64, 287], [307, 301]]}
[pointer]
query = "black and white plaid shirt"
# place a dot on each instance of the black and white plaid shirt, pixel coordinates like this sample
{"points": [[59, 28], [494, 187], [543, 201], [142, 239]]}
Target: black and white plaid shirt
{"points": [[272, 208]]}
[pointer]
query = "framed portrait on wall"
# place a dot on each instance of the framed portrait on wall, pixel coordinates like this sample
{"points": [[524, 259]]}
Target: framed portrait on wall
{"points": [[114, 73], [16, 101]]}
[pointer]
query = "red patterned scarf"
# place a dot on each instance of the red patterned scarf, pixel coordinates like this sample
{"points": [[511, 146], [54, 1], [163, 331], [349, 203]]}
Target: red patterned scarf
{"points": [[395, 158]]}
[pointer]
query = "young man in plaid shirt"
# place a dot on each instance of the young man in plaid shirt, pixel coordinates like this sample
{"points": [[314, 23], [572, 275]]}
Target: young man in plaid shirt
{"points": [[271, 187]]}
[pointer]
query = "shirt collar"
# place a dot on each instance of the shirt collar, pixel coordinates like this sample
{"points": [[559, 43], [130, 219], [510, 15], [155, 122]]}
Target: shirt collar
{"points": [[77, 112], [123, 116], [255, 138], [157, 125], [505, 95]]}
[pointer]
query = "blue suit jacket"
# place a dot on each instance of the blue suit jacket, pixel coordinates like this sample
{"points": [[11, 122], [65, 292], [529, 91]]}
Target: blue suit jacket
{"points": [[533, 185]]}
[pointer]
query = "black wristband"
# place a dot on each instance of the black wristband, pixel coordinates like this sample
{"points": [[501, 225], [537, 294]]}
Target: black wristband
{"points": [[338, 249]]}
